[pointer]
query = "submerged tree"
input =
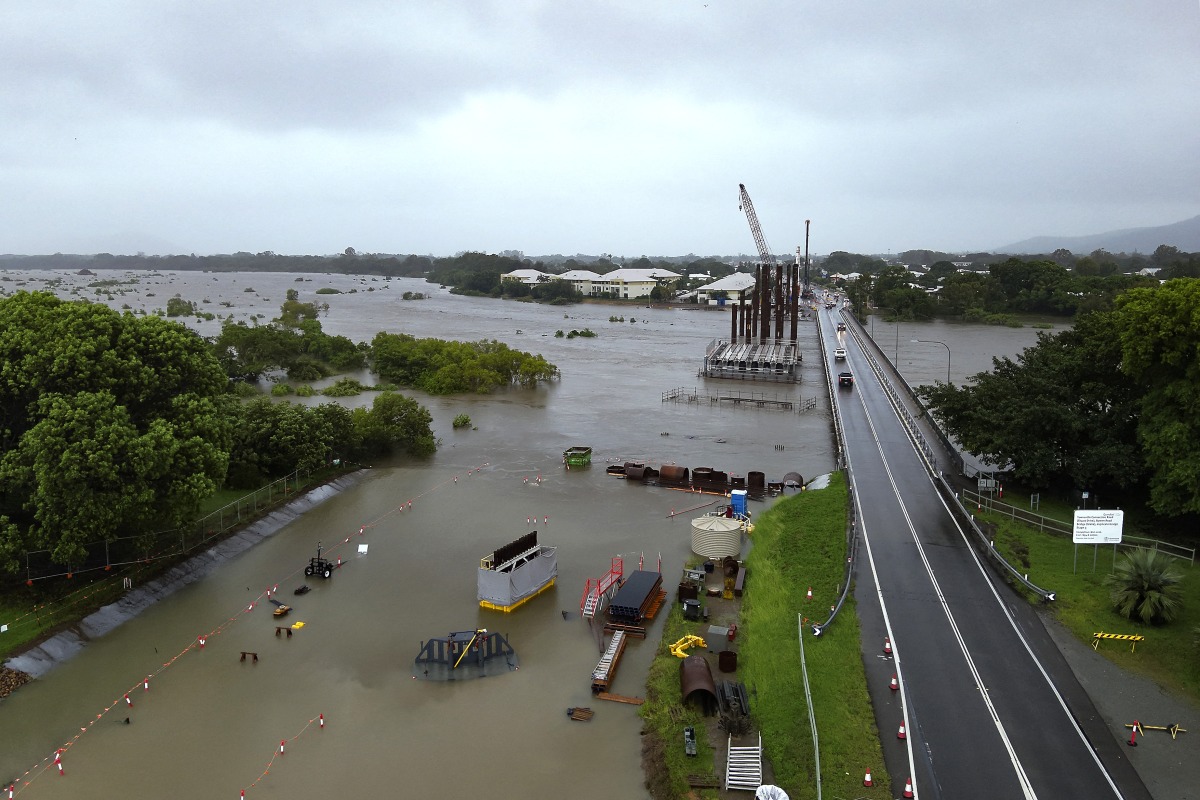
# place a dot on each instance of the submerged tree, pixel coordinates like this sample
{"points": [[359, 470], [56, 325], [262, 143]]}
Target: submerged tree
{"points": [[1145, 587]]}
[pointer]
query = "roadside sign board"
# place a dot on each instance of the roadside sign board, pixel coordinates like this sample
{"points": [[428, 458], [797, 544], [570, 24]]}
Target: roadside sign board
{"points": [[1098, 526], [988, 484]]}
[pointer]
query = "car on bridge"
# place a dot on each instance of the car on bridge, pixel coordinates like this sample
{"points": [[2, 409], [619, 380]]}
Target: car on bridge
{"points": [[839, 354], [845, 380], [841, 327]]}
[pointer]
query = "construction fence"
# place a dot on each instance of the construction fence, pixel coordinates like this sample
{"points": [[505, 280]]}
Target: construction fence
{"points": [[131, 550]]}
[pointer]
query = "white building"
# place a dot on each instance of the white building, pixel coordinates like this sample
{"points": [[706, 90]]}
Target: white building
{"points": [[528, 276], [632, 283], [731, 285], [622, 283], [582, 279]]}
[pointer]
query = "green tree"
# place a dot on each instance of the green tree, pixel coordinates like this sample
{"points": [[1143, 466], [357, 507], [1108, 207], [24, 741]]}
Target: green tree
{"points": [[1063, 414], [111, 425], [1159, 335], [394, 423], [1145, 587]]}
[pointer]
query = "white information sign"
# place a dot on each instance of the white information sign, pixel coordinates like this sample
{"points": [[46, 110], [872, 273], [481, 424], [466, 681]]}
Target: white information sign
{"points": [[1098, 526]]}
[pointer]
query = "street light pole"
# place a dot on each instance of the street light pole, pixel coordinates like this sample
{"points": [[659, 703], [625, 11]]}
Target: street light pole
{"points": [[943, 344]]}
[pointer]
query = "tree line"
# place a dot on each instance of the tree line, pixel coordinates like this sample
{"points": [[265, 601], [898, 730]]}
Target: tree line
{"points": [[1108, 406], [116, 425], [1058, 285]]}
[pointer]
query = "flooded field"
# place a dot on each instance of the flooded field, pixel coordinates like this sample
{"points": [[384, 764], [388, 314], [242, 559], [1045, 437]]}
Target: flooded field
{"points": [[210, 725]]}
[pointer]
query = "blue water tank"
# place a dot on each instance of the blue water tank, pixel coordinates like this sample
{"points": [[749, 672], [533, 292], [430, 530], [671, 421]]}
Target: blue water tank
{"points": [[737, 499]]}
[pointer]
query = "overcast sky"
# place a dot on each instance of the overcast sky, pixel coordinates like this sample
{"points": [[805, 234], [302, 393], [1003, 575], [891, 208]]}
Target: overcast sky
{"points": [[569, 126]]}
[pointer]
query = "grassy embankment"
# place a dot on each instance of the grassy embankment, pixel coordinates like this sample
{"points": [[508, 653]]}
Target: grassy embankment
{"points": [[34, 612], [1082, 604], [799, 542]]}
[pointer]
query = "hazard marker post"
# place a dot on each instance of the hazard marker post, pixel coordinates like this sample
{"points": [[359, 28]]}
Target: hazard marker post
{"points": [[867, 778]]}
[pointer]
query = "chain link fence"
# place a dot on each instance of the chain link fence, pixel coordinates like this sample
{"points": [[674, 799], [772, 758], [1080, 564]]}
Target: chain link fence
{"points": [[131, 550]]}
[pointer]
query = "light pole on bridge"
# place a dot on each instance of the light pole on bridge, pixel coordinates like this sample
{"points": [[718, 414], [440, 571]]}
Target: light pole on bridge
{"points": [[943, 344]]}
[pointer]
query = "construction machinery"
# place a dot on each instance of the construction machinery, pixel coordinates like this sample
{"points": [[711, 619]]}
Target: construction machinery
{"points": [[680, 648]]}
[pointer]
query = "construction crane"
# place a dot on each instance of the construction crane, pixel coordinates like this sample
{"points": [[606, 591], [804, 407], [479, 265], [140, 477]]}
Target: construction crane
{"points": [[806, 291], [764, 252]]}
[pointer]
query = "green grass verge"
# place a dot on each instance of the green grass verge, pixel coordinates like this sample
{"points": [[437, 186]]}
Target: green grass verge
{"points": [[1168, 655], [799, 542], [665, 718]]}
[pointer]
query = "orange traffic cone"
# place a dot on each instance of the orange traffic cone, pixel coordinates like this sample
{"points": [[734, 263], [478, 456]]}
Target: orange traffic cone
{"points": [[809, 595], [887, 645], [867, 778], [908, 792], [900, 733], [895, 684]]}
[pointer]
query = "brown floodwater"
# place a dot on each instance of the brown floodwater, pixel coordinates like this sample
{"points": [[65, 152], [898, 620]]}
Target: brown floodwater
{"points": [[210, 724]]}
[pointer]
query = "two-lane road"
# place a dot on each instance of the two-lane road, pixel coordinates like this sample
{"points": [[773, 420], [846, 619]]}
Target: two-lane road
{"points": [[978, 698]]}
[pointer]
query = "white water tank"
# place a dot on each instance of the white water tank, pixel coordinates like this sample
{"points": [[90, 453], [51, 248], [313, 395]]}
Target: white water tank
{"points": [[716, 537]]}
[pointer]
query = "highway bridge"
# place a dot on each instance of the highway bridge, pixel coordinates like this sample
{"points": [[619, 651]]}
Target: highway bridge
{"points": [[989, 706]]}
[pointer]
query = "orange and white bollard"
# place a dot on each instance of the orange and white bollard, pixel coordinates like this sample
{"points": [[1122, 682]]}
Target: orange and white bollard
{"points": [[128, 702], [1133, 734], [201, 639], [321, 719], [281, 744], [809, 595], [58, 762], [146, 685]]}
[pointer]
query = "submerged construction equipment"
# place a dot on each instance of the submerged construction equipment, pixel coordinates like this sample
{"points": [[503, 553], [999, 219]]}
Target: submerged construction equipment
{"points": [[464, 654]]}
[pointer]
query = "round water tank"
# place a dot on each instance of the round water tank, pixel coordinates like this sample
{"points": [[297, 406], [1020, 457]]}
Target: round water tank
{"points": [[716, 537]]}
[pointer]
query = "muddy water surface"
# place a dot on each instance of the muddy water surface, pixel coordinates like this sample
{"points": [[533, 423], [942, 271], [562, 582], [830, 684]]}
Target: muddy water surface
{"points": [[210, 724]]}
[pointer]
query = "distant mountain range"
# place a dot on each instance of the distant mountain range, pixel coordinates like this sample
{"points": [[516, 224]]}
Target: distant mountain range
{"points": [[1185, 235]]}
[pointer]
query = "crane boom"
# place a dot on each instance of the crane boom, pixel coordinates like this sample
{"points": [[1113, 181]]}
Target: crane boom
{"points": [[764, 252]]}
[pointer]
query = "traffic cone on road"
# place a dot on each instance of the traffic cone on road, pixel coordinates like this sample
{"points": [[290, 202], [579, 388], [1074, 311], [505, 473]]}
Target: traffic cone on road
{"points": [[900, 734], [908, 790], [867, 778], [895, 684], [887, 645]]}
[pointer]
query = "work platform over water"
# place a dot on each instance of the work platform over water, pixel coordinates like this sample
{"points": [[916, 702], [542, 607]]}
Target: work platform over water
{"points": [[736, 397], [746, 359]]}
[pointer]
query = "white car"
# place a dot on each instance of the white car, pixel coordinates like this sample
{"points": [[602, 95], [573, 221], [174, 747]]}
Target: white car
{"points": [[839, 354]]}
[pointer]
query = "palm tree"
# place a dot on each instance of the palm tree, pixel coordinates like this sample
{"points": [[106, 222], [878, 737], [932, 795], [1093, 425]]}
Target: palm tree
{"points": [[1145, 586]]}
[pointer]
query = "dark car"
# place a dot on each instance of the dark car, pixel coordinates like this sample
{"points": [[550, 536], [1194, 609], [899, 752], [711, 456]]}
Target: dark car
{"points": [[845, 380], [841, 327]]}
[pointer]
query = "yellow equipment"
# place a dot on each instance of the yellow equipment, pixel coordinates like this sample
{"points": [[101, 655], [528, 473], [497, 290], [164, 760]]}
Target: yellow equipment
{"points": [[679, 649]]}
